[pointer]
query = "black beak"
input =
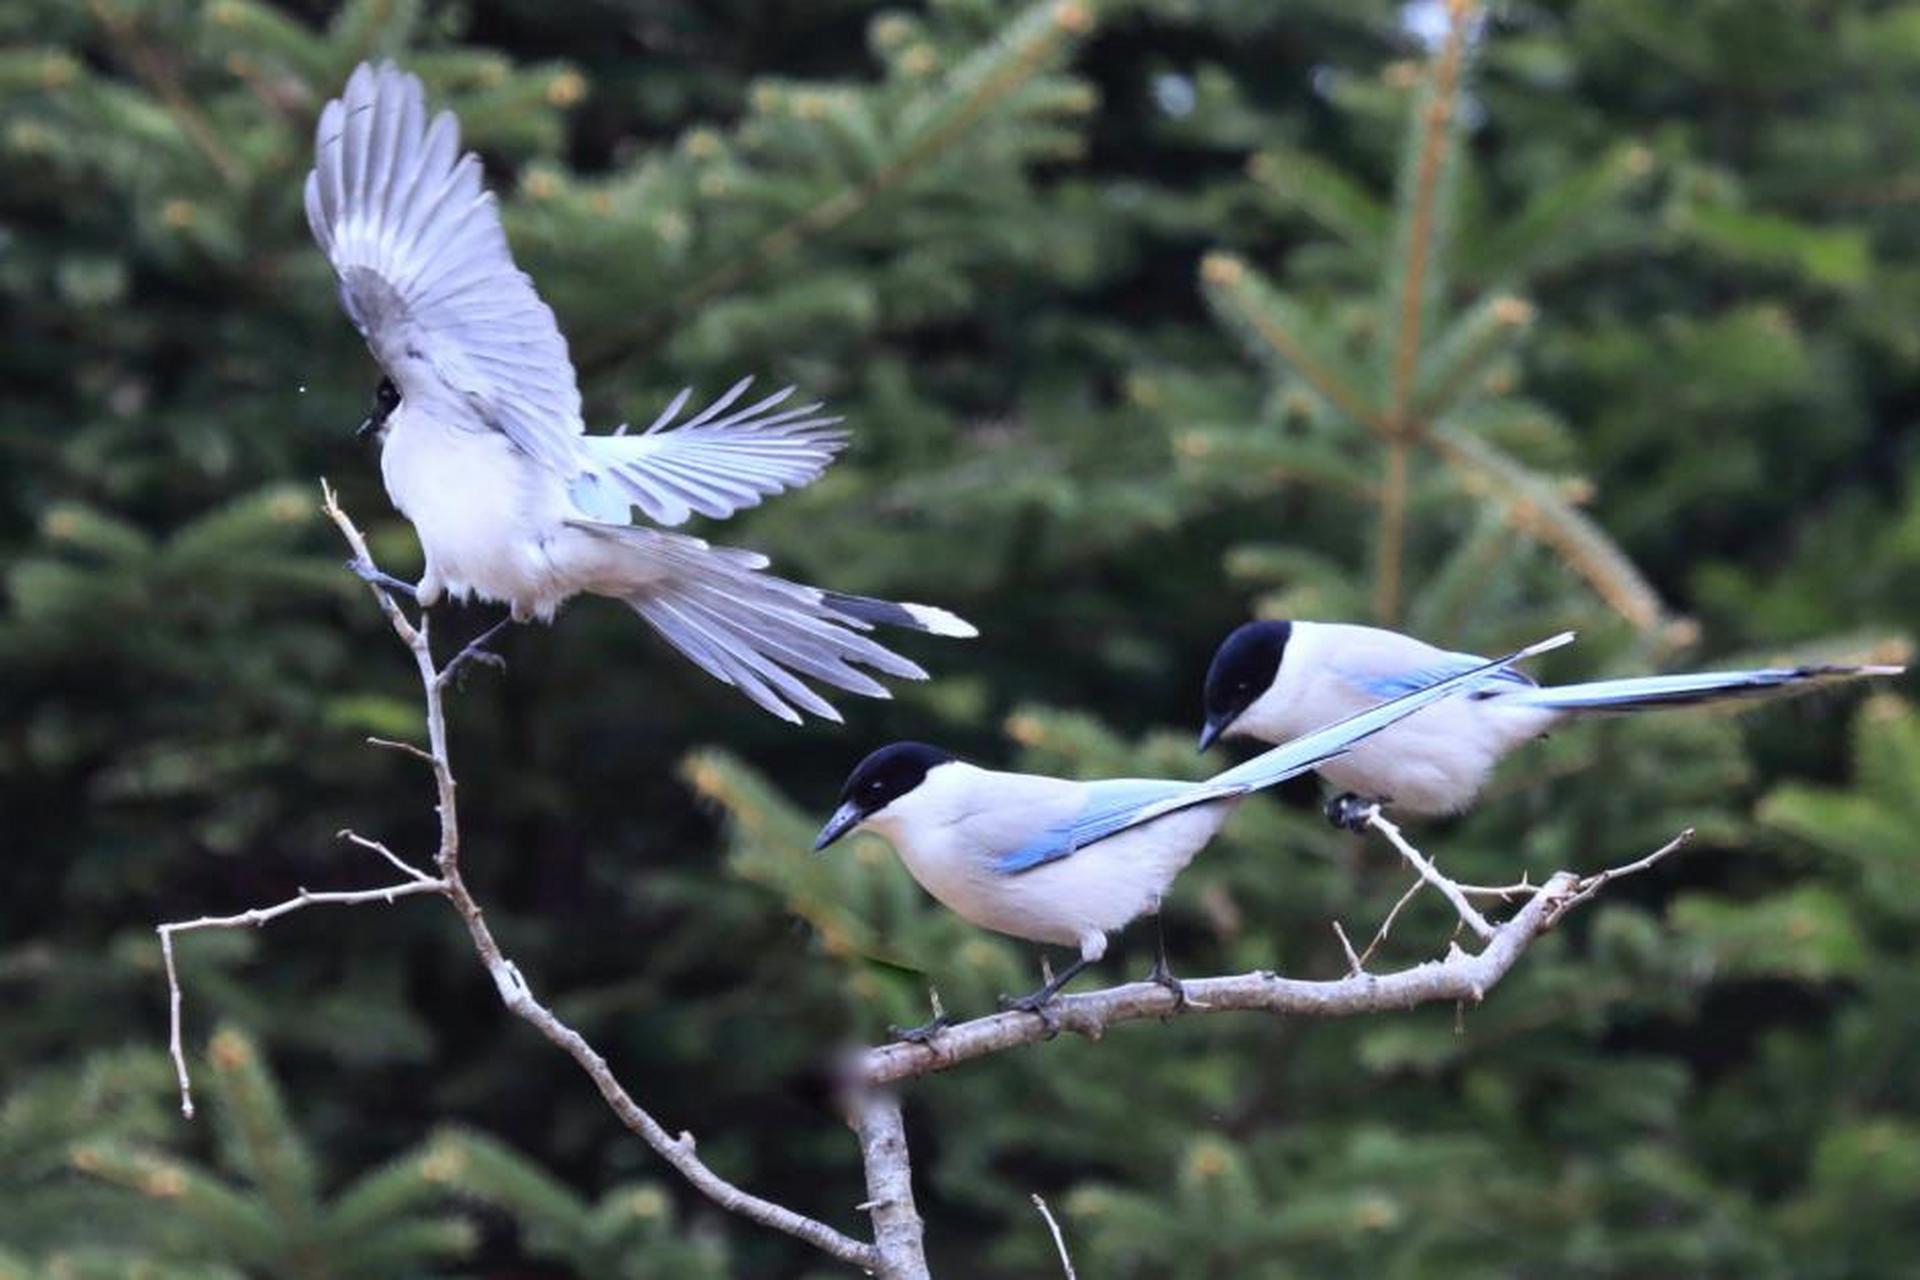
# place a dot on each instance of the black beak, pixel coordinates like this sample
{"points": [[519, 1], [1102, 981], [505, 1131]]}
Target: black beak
{"points": [[844, 819], [1210, 732], [366, 428]]}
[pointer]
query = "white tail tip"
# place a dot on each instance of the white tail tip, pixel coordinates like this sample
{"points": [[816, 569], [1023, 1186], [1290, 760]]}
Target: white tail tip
{"points": [[940, 622], [1560, 641]]}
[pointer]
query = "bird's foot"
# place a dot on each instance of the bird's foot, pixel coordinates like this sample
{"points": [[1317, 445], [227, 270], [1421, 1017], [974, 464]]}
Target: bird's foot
{"points": [[924, 1033], [1039, 1004], [369, 574], [1163, 977], [1350, 811], [475, 652]]}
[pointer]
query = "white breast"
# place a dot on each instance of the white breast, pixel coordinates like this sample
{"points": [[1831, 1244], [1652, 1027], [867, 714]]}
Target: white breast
{"points": [[484, 512], [956, 825]]}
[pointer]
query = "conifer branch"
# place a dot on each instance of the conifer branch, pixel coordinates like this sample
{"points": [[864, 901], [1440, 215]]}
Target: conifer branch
{"points": [[161, 82], [1252, 304], [1436, 129], [1034, 37], [1537, 509]]}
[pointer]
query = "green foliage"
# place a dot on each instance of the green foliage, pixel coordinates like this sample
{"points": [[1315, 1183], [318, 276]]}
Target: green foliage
{"points": [[1135, 310]]}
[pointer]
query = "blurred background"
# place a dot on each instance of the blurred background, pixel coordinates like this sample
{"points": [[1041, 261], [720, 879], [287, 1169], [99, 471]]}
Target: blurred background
{"points": [[1146, 316]]}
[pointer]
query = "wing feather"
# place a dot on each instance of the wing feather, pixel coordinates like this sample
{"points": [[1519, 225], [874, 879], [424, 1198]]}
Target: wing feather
{"points": [[714, 463], [426, 273]]}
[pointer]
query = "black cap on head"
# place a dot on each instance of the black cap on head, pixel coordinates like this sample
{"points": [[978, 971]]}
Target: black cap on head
{"points": [[1242, 669], [877, 781], [386, 398]]}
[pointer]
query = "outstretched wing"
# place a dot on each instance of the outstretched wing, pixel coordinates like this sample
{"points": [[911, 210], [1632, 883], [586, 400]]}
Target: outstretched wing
{"points": [[425, 271], [714, 463], [1112, 806]]}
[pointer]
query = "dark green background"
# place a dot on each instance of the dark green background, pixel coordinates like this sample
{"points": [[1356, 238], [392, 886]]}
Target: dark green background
{"points": [[978, 230]]}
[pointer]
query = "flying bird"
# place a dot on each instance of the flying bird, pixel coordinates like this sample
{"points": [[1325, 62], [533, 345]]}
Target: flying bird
{"points": [[484, 450], [1272, 680], [1067, 863]]}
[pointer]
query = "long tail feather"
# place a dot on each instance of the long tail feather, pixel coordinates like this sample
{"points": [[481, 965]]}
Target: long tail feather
{"points": [[888, 613], [1643, 692], [761, 633]]}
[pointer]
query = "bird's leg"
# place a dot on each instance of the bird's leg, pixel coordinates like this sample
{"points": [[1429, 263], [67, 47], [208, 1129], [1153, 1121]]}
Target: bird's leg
{"points": [[1162, 974], [1036, 1002], [476, 651], [1350, 810], [924, 1033], [368, 573]]}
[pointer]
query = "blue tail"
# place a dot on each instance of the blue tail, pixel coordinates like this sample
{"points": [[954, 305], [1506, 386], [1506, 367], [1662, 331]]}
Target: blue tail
{"points": [[1685, 690], [1311, 750]]}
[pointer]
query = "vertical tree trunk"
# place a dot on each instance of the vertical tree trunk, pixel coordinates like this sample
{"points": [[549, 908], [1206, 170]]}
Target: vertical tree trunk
{"points": [[897, 1229]]}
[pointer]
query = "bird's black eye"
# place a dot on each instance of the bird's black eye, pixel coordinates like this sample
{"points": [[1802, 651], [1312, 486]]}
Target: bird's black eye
{"points": [[386, 397]]}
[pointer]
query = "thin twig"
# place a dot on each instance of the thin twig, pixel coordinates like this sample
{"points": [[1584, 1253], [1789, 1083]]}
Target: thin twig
{"points": [[1353, 961], [1060, 1241], [253, 919], [1592, 884], [375, 846], [407, 748], [1431, 874], [1386, 926]]}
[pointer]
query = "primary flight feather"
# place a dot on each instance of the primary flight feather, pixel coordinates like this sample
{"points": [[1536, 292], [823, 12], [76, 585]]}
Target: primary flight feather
{"points": [[484, 450]]}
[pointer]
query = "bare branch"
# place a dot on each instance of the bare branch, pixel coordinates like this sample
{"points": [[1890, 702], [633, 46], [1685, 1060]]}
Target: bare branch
{"points": [[1386, 926], [1353, 961], [407, 747], [897, 1229], [518, 997], [406, 867], [1060, 1241], [1592, 884], [1431, 874], [1461, 976], [253, 919]]}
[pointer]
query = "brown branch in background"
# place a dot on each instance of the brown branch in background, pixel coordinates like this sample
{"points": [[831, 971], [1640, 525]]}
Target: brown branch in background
{"points": [[159, 80], [1069, 18], [1535, 509], [1402, 430], [1225, 271], [519, 999]]}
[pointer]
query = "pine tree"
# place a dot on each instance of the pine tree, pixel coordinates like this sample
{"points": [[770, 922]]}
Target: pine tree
{"points": [[1120, 302]]}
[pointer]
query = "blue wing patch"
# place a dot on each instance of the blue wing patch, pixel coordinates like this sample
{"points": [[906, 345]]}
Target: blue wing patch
{"points": [[1112, 806], [1393, 684]]}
